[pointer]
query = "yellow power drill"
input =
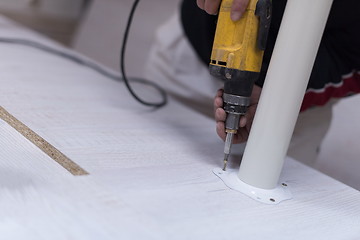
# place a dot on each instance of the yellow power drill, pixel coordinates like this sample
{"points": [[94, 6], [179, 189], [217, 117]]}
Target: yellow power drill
{"points": [[236, 58]]}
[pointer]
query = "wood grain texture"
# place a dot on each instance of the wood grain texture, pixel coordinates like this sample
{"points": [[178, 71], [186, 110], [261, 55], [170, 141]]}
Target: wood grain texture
{"points": [[41, 143], [151, 171]]}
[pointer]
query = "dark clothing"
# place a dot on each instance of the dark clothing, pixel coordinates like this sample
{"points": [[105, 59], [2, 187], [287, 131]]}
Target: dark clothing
{"points": [[336, 68]]}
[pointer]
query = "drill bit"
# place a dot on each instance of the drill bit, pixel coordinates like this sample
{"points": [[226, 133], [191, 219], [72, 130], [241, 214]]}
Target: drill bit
{"points": [[225, 161], [227, 148]]}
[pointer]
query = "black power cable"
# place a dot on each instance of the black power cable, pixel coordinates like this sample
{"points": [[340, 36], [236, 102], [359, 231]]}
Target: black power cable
{"points": [[122, 65], [59, 53], [97, 68]]}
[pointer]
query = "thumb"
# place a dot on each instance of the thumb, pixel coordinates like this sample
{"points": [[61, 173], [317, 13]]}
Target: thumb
{"points": [[238, 8]]}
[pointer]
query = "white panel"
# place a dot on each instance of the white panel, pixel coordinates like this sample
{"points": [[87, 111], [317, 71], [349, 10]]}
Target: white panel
{"points": [[150, 171]]}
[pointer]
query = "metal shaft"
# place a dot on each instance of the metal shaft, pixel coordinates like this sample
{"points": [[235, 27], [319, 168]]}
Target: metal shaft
{"points": [[227, 148]]}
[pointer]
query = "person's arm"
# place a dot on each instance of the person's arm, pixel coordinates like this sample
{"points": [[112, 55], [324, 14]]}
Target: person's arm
{"points": [[212, 7]]}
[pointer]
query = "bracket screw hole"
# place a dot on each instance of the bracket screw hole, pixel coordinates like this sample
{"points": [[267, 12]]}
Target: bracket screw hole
{"points": [[284, 184]]}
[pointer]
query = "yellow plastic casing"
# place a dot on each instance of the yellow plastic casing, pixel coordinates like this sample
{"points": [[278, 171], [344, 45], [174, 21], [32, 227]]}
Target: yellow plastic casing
{"points": [[235, 43]]}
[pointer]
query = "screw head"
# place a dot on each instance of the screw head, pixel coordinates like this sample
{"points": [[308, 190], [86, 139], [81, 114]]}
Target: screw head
{"points": [[272, 200]]}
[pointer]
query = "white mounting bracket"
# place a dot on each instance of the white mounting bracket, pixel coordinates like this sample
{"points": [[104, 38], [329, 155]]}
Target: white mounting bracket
{"points": [[268, 196]]}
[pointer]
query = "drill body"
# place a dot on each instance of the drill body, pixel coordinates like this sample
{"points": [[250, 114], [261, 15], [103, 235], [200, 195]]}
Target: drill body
{"points": [[237, 57]]}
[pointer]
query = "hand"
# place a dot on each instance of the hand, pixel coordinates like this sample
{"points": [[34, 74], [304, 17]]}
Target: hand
{"points": [[212, 7], [245, 121]]}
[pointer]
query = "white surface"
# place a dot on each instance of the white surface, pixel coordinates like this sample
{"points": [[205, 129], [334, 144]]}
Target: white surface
{"points": [[40, 200], [279, 107], [150, 171]]}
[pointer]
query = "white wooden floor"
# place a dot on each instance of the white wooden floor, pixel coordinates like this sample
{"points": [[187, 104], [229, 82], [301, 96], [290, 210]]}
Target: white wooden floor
{"points": [[150, 171]]}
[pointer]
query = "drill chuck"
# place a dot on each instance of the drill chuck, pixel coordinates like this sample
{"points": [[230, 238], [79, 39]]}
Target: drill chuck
{"points": [[235, 106], [232, 122]]}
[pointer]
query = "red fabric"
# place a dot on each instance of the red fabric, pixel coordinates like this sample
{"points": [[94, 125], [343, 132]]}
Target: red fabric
{"points": [[350, 85]]}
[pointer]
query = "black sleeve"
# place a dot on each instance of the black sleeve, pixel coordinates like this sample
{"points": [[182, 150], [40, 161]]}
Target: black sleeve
{"points": [[339, 51], [199, 27]]}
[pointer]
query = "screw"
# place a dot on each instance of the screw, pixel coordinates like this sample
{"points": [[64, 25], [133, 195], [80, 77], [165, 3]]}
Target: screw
{"points": [[284, 184], [271, 199]]}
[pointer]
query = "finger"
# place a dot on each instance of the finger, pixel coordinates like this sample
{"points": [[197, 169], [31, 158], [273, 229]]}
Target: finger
{"points": [[220, 115], [218, 103], [238, 138], [255, 95], [238, 8], [219, 92], [250, 116], [243, 135], [220, 130], [212, 6], [200, 3], [243, 121]]}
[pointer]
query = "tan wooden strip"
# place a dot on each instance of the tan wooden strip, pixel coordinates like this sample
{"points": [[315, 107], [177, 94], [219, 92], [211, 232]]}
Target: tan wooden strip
{"points": [[41, 143]]}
